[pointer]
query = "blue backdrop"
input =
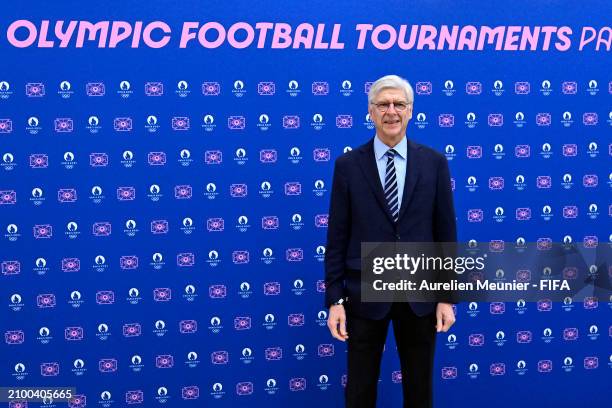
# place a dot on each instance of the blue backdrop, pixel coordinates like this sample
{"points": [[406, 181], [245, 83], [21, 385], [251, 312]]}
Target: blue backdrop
{"points": [[164, 210]]}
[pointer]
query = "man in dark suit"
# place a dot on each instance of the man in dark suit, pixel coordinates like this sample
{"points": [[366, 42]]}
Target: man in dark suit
{"points": [[390, 189]]}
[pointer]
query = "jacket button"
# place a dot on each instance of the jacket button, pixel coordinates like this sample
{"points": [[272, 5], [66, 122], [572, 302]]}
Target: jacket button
{"points": [[397, 236]]}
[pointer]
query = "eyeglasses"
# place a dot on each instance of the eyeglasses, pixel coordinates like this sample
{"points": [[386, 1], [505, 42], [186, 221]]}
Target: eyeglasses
{"points": [[384, 106]]}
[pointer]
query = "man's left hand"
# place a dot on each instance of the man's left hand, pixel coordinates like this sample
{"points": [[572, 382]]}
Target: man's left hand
{"points": [[445, 317]]}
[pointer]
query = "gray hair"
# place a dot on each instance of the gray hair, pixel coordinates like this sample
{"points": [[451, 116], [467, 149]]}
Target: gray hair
{"points": [[391, 82]]}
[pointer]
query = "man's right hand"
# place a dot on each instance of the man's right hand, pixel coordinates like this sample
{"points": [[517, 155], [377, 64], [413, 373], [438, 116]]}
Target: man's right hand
{"points": [[336, 321]]}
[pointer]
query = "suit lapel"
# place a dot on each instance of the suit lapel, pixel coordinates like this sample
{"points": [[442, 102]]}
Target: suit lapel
{"points": [[412, 176], [367, 162]]}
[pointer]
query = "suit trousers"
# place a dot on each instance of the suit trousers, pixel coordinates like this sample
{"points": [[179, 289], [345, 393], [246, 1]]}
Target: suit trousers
{"points": [[415, 338]]}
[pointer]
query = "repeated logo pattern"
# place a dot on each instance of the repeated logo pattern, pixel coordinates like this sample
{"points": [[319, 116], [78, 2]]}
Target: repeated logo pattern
{"points": [[222, 242]]}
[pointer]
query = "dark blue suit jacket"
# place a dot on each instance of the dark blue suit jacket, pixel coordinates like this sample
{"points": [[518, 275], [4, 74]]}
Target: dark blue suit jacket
{"points": [[358, 213]]}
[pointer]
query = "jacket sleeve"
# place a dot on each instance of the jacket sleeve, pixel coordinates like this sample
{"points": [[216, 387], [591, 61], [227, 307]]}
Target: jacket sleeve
{"points": [[338, 235], [445, 225]]}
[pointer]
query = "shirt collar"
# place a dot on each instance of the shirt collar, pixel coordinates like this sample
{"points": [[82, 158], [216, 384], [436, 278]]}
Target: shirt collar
{"points": [[380, 149]]}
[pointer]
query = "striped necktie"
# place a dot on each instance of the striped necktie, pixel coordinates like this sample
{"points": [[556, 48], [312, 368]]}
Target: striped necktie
{"points": [[391, 186]]}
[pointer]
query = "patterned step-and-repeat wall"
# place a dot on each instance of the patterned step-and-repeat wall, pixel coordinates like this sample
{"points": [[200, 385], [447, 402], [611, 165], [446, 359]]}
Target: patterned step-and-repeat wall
{"points": [[164, 195]]}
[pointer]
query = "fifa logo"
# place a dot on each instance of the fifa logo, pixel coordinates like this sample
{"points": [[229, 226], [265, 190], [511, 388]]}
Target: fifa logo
{"points": [[446, 120], [522, 88], [266, 88], [569, 87]]}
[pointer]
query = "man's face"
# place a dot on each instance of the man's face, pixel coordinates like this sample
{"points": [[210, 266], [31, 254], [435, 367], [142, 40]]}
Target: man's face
{"points": [[390, 124]]}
